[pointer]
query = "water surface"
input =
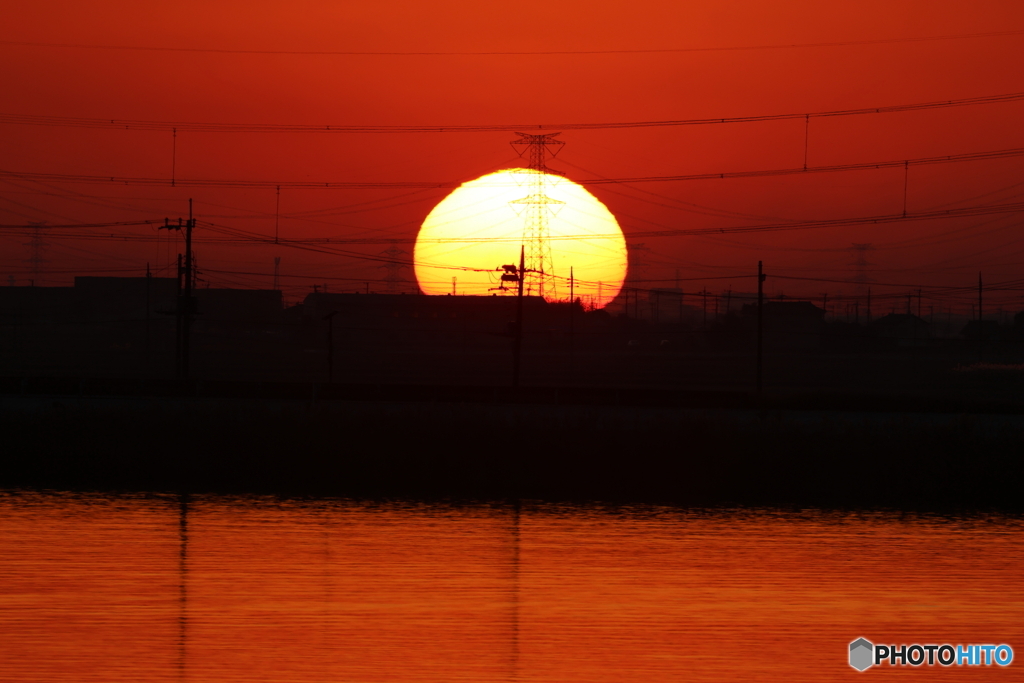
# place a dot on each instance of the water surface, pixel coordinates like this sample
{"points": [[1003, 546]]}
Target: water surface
{"points": [[207, 588]]}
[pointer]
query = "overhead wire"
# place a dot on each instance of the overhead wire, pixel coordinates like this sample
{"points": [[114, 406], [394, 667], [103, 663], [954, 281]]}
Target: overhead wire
{"points": [[779, 46], [1013, 152], [198, 127]]}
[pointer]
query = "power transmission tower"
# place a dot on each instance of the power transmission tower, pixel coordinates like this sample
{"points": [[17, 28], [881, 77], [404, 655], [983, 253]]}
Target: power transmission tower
{"points": [[394, 280], [538, 208], [634, 274], [37, 245], [861, 262]]}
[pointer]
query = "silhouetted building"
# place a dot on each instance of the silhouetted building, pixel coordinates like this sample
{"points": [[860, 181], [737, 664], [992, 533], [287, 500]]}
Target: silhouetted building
{"points": [[430, 318], [23, 304], [981, 329], [239, 305], [122, 298], [902, 329], [788, 324]]}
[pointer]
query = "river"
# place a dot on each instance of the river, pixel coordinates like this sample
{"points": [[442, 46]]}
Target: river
{"points": [[112, 588]]}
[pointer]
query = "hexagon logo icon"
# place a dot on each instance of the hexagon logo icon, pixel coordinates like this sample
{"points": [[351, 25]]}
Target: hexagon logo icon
{"points": [[861, 652]]}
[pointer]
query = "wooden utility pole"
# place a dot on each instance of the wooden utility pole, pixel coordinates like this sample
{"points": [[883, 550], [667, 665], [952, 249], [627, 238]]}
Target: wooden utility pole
{"points": [[572, 318], [185, 303], [177, 321], [518, 347], [189, 303]]}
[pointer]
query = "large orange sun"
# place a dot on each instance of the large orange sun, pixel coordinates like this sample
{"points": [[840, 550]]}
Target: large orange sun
{"points": [[480, 227]]}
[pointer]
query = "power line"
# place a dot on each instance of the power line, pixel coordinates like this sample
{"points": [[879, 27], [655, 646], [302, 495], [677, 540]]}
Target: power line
{"points": [[952, 158], [196, 127], [834, 168], [51, 226], [840, 222], [339, 53], [326, 245]]}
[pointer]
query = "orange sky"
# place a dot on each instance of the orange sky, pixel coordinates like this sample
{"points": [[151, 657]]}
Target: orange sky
{"points": [[485, 89]]}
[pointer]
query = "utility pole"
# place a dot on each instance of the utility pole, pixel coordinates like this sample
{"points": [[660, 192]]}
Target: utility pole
{"points": [[518, 348], [177, 320], [330, 346], [572, 321], [517, 274], [186, 303], [760, 324], [277, 272], [918, 303], [189, 302]]}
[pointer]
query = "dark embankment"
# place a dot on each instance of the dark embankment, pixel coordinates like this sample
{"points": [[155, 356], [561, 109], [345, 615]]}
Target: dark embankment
{"points": [[489, 451]]}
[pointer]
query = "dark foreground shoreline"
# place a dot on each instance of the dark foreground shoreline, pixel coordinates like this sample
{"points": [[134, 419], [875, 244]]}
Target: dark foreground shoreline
{"points": [[488, 443]]}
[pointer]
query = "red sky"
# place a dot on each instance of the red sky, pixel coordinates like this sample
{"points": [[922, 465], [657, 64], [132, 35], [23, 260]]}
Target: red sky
{"points": [[497, 89]]}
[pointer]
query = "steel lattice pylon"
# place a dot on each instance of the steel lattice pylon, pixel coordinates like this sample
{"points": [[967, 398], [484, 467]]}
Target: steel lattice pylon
{"points": [[394, 280], [537, 209]]}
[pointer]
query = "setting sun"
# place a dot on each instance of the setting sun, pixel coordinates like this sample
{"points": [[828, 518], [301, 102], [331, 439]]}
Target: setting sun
{"points": [[480, 226]]}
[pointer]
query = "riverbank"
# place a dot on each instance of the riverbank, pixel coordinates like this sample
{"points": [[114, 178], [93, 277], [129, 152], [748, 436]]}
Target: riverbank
{"points": [[724, 455]]}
